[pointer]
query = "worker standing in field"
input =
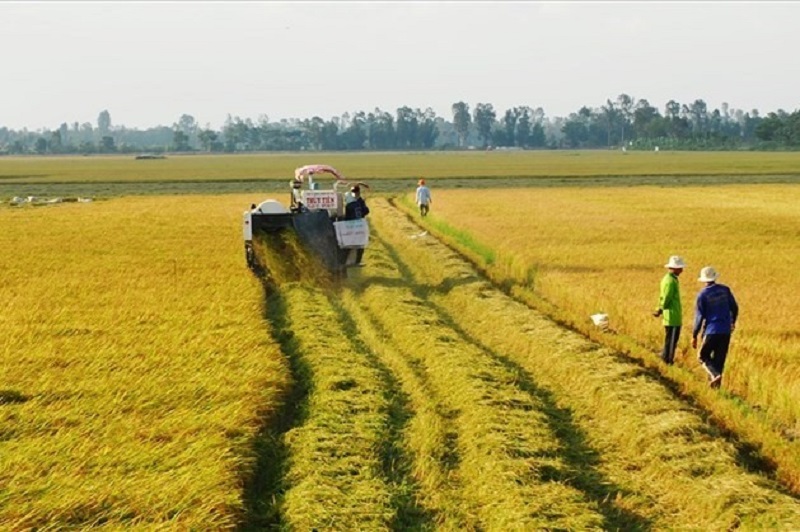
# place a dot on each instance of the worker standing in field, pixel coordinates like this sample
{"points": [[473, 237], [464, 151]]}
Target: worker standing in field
{"points": [[715, 316], [296, 203], [354, 210], [669, 306], [357, 208], [424, 199]]}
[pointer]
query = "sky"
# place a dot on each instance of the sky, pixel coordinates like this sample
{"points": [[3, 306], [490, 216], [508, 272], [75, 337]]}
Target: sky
{"points": [[148, 63]]}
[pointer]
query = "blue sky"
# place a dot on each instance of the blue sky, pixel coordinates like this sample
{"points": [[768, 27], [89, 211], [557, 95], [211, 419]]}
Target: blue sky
{"points": [[150, 62]]}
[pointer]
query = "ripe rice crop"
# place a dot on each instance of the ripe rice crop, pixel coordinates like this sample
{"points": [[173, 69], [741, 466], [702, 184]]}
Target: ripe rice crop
{"points": [[137, 366], [576, 252], [623, 439], [394, 165]]}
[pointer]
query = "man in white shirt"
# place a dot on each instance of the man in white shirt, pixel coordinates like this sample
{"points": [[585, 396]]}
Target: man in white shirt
{"points": [[424, 199]]}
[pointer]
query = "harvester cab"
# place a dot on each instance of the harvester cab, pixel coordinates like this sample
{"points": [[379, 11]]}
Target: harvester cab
{"points": [[316, 215]]}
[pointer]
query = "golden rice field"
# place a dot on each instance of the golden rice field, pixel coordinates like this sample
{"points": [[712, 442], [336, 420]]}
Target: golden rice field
{"points": [[136, 365], [576, 252], [151, 382], [479, 164]]}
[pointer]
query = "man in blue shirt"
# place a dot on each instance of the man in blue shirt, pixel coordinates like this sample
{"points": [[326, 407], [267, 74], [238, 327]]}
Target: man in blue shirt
{"points": [[715, 315]]}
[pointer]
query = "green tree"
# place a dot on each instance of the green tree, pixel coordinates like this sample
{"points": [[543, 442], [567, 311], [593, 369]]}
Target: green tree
{"points": [[510, 119], [104, 122], [381, 134], [625, 114], [484, 117], [461, 121], [41, 145], [771, 128], [523, 139], [107, 144], [55, 144], [538, 138], [575, 131], [180, 141], [314, 129], [207, 138], [354, 136], [330, 136], [643, 116], [188, 126], [610, 115], [698, 115], [406, 128], [426, 131]]}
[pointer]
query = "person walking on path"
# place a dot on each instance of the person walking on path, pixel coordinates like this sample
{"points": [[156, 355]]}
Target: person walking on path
{"points": [[424, 199], [715, 316], [669, 306]]}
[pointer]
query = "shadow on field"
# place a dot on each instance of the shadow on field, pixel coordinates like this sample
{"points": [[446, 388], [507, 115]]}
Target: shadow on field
{"points": [[8, 397], [748, 455], [581, 459], [263, 491], [397, 464]]}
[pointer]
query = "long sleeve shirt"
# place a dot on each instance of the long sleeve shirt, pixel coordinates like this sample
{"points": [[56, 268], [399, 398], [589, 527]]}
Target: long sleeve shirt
{"points": [[716, 308], [423, 195], [670, 300], [356, 209]]}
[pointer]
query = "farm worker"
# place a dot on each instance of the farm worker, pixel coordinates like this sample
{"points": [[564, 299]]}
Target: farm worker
{"points": [[358, 207], [715, 316], [355, 210], [424, 199], [669, 306], [297, 198]]}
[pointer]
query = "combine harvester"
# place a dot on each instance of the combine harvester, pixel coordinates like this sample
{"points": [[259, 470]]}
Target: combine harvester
{"points": [[316, 216]]}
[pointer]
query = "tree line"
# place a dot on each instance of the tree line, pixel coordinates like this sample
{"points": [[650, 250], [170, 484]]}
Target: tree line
{"points": [[624, 121]]}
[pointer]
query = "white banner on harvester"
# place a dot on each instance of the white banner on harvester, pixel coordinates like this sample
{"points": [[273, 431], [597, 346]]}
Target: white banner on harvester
{"points": [[352, 233], [320, 199]]}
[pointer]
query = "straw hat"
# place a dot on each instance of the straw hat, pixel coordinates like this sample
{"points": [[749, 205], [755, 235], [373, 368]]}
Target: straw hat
{"points": [[676, 262], [708, 275]]}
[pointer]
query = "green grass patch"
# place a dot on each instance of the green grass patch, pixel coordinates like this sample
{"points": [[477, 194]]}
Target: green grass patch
{"points": [[466, 240]]}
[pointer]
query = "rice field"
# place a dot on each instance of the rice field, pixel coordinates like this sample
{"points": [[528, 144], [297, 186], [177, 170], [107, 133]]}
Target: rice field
{"points": [[573, 253], [136, 365], [395, 165], [150, 381]]}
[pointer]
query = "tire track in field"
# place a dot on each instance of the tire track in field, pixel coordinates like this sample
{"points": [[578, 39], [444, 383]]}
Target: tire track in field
{"points": [[429, 435], [262, 492], [334, 474], [578, 460], [397, 464], [672, 467], [507, 450], [328, 462]]}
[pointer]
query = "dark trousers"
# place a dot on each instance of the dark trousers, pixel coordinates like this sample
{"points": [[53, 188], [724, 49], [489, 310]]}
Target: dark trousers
{"points": [[671, 337], [423, 208], [714, 351]]}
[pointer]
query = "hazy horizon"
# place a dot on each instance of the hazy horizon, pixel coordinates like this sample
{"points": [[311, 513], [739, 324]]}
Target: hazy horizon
{"points": [[149, 63]]}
